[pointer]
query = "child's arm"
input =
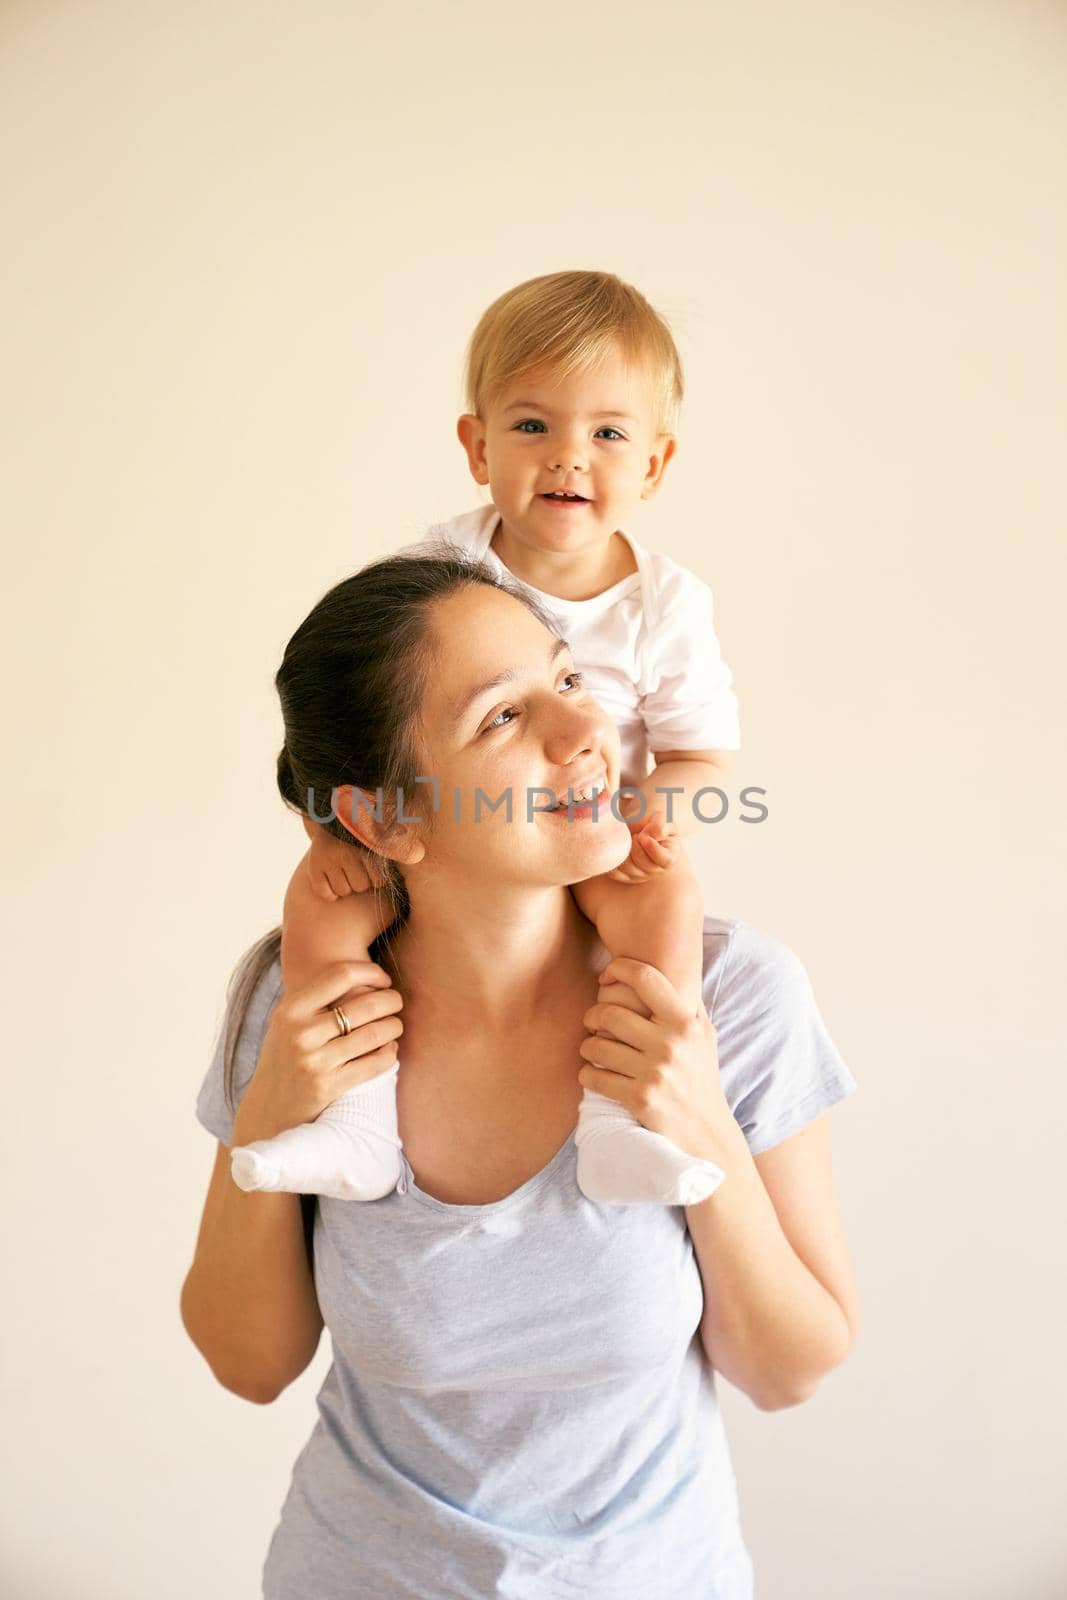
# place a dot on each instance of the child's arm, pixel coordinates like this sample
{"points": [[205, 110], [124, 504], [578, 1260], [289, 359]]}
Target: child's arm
{"points": [[334, 868], [688, 770], [317, 932], [660, 919]]}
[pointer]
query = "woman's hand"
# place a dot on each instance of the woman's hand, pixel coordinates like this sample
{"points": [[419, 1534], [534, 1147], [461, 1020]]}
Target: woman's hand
{"points": [[660, 1062], [306, 1062], [654, 846]]}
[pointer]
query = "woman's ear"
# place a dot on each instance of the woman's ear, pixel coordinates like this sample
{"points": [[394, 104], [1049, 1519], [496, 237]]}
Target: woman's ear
{"points": [[366, 817]]}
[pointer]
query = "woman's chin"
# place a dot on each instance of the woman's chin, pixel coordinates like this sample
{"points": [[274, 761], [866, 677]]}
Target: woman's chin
{"points": [[600, 846]]}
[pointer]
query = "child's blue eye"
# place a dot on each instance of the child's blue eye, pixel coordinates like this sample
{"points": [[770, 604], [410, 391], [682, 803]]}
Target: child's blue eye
{"points": [[528, 422], [609, 429]]}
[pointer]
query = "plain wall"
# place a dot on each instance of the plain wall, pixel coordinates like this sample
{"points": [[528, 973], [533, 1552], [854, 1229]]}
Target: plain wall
{"points": [[244, 246]]}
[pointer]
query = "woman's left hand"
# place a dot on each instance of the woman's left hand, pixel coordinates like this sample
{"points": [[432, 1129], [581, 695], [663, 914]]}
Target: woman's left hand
{"points": [[661, 1062]]}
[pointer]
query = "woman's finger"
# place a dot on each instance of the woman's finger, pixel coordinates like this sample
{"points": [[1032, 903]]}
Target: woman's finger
{"points": [[367, 1067], [610, 1054], [333, 984], [650, 985], [613, 1084], [366, 1007], [623, 1023], [620, 994], [363, 1041]]}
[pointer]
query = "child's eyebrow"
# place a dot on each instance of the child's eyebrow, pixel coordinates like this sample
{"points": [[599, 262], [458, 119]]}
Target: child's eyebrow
{"points": [[536, 405]]}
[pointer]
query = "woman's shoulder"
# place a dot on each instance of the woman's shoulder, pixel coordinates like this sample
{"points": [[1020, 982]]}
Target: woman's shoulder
{"points": [[779, 1066], [253, 991], [740, 960]]}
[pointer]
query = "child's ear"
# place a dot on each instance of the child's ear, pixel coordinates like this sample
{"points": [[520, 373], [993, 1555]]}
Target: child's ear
{"points": [[663, 450], [470, 431]]}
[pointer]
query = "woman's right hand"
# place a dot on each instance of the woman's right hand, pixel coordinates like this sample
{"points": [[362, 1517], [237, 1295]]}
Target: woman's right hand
{"points": [[306, 1063]]}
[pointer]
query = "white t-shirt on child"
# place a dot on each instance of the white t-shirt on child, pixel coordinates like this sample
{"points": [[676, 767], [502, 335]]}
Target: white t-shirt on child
{"points": [[646, 647]]}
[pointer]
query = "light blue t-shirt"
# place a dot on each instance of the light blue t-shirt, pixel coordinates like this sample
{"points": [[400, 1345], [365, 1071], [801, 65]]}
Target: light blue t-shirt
{"points": [[519, 1404]]}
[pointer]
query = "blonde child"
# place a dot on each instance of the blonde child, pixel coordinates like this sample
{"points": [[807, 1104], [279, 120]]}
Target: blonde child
{"points": [[574, 386]]}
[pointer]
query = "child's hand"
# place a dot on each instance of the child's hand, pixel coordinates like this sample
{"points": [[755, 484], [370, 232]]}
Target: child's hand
{"points": [[653, 848], [336, 869]]}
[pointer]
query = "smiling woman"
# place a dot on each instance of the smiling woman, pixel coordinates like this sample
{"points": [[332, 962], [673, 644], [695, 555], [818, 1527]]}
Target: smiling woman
{"points": [[522, 1396]]}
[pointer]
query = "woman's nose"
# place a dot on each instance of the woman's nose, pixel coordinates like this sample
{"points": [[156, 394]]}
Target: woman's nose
{"points": [[578, 729]]}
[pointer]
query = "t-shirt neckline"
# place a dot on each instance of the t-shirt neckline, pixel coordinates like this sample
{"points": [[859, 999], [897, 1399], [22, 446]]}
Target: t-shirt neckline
{"points": [[606, 596], [472, 1211]]}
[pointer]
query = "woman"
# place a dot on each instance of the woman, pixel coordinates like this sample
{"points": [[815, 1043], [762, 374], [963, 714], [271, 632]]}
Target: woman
{"points": [[522, 1399]]}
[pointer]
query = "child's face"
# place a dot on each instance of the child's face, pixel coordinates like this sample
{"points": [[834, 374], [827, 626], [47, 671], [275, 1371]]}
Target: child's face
{"points": [[591, 434]]}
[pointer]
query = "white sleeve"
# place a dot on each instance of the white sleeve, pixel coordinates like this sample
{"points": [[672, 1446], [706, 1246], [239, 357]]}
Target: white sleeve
{"points": [[687, 700]]}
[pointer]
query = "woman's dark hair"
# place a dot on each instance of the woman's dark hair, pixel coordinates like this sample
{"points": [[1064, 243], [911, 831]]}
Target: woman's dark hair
{"points": [[351, 685]]}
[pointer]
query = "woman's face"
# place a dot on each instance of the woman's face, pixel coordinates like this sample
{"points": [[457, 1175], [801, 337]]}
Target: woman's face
{"points": [[534, 729]]}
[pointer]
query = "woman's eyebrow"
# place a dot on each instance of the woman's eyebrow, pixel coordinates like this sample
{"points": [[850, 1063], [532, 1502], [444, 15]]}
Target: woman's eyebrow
{"points": [[461, 706]]}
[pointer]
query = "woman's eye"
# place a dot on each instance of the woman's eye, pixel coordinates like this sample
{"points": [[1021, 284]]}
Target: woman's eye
{"points": [[527, 424], [576, 678], [615, 431]]}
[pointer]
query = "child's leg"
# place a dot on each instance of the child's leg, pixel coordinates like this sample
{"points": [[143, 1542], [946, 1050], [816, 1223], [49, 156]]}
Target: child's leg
{"points": [[661, 921], [352, 1149]]}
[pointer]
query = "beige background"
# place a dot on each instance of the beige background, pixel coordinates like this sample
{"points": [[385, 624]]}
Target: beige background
{"points": [[244, 246]]}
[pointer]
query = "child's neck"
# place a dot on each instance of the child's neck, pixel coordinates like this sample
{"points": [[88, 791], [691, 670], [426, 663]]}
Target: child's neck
{"points": [[567, 574]]}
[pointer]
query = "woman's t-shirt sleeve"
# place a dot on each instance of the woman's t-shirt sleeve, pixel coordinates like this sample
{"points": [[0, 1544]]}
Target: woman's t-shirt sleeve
{"points": [[779, 1068], [211, 1109]]}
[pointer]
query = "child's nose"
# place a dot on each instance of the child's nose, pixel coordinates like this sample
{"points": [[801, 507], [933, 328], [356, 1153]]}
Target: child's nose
{"points": [[570, 453]]}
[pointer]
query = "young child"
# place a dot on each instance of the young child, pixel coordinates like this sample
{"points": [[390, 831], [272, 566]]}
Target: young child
{"points": [[574, 386]]}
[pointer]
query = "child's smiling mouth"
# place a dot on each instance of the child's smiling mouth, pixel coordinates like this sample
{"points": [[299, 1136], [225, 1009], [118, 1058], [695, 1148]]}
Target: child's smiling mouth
{"points": [[557, 499]]}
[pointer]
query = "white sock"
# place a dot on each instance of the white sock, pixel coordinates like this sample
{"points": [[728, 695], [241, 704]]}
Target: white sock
{"points": [[351, 1151], [621, 1163]]}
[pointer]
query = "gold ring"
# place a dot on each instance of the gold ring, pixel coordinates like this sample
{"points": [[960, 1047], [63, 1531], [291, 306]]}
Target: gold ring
{"points": [[342, 1022]]}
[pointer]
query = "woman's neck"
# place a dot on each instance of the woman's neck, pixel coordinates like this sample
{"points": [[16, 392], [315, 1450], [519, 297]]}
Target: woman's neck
{"points": [[498, 960]]}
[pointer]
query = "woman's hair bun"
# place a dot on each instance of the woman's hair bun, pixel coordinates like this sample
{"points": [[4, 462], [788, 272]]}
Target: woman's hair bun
{"points": [[286, 781]]}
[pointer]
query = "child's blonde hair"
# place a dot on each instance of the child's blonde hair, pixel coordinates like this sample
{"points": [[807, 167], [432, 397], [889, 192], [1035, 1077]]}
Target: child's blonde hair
{"points": [[567, 321]]}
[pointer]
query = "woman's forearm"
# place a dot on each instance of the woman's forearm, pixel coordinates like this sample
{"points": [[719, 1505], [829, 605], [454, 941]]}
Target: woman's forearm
{"points": [[769, 1325], [248, 1302]]}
